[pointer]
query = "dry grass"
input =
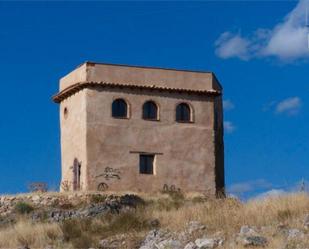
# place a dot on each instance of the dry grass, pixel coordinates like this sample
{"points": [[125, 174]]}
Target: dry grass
{"points": [[173, 212], [33, 235], [229, 215]]}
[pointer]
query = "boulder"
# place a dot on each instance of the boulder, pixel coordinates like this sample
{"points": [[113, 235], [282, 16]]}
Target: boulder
{"points": [[295, 234], [306, 221], [154, 237], [252, 241], [194, 226], [248, 236], [208, 243], [191, 245], [170, 244], [35, 198], [247, 231]]}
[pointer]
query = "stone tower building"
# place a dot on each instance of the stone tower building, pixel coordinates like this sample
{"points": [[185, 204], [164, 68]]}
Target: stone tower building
{"points": [[141, 129]]}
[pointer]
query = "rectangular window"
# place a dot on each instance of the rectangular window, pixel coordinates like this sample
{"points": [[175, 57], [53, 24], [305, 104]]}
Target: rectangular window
{"points": [[146, 164]]}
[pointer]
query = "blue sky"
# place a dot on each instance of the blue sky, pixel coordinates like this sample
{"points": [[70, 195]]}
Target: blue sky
{"points": [[257, 50]]}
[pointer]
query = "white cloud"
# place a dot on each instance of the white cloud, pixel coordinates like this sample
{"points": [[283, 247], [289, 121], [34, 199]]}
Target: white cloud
{"points": [[249, 186], [289, 106], [229, 127], [228, 105], [273, 193], [287, 41], [230, 45]]}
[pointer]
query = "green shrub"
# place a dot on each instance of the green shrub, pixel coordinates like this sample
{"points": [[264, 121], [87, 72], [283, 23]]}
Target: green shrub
{"points": [[98, 198], [128, 222], [23, 208]]}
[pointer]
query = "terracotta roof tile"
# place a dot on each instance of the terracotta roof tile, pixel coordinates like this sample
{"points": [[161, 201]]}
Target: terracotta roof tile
{"points": [[81, 85]]}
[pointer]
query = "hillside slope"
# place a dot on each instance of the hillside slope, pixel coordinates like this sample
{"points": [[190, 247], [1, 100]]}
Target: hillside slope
{"points": [[165, 221]]}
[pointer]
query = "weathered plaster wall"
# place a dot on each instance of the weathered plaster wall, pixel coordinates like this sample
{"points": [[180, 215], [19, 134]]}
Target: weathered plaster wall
{"points": [[73, 136], [188, 152], [189, 156], [77, 75], [140, 76]]}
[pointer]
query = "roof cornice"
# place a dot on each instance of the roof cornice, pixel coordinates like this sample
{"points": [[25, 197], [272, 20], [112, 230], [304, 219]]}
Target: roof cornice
{"points": [[67, 92]]}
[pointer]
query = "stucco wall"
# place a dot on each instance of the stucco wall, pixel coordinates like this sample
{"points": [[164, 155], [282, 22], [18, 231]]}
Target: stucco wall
{"points": [[186, 156], [73, 136], [77, 75], [140, 76], [189, 156]]}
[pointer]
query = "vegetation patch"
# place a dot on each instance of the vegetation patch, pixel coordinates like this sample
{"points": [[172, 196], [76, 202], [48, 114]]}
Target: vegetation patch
{"points": [[23, 208]]}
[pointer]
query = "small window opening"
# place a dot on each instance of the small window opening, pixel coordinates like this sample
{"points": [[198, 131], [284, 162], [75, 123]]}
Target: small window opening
{"points": [[183, 113], [119, 109], [65, 112], [150, 111], [76, 175], [146, 164]]}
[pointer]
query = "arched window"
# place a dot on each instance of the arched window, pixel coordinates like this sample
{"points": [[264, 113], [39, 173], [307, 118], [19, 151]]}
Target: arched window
{"points": [[119, 108], [183, 113], [150, 110]]}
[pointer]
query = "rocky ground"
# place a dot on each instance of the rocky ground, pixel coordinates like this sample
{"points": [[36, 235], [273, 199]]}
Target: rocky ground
{"points": [[167, 221]]}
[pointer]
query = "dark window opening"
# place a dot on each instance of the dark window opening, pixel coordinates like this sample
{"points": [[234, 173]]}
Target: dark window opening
{"points": [[76, 174], [146, 164], [65, 112], [183, 113], [150, 110], [119, 109]]}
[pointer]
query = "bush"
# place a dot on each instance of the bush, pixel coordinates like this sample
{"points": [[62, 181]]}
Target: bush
{"points": [[23, 208], [97, 198], [38, 187], [66, 205], [130, 221]]}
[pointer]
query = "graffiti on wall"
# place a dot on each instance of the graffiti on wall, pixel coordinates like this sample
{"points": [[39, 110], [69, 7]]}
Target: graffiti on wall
{"points": [[171, 188], [110, 173], [102, 186]]}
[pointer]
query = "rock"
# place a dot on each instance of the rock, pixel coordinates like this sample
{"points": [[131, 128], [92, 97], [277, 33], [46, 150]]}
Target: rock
{"points": [[114, 244], [170, 244], [208, 243], [295, 234], [191, 245], [103, 243], [306, 221], [252, 241], [249, 237], [247, 231], [153, 238], [35, 198], [194, 226], [183, 236]]}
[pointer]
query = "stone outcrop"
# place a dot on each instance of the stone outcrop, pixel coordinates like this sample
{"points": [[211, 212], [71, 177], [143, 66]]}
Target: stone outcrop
{"points": [[57, 208]]}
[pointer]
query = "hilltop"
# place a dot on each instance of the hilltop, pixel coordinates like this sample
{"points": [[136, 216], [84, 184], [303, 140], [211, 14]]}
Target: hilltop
{"points": [[169, 220]]}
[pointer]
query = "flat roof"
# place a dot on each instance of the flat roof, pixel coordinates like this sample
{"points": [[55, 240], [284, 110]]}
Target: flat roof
{"points": [[146, 67]]}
